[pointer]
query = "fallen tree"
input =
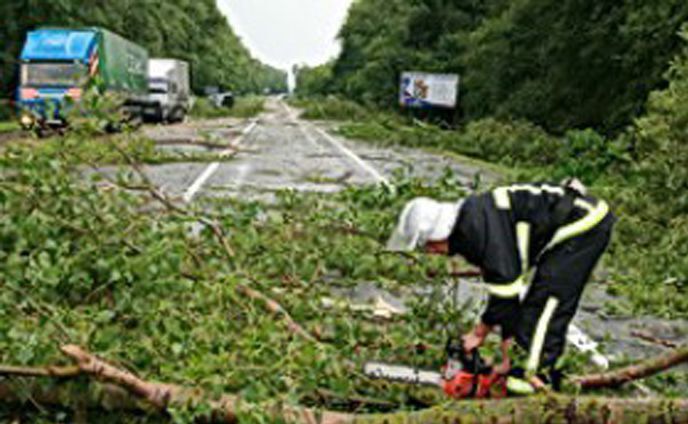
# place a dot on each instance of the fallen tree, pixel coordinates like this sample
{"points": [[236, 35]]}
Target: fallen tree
{"points": [[634, 372], [122, 390]]}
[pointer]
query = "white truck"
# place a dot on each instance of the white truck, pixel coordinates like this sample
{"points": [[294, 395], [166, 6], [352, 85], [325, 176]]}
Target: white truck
{"points": [[169, 98]]}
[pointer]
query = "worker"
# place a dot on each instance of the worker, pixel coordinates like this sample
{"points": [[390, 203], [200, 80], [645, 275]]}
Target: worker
{"points": [[556, 231]]}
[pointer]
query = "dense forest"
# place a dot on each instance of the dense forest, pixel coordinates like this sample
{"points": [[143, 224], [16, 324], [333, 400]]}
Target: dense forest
{"points": [[559, 64], [195, 31]]}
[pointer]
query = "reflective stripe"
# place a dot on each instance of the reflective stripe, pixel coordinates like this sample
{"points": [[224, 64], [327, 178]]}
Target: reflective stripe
{"points": [[594, 216], [501, 194], [501, 198], [523, 240], [537, 190], [507, 290], [584, 204], [519, 386], [540, 332]]}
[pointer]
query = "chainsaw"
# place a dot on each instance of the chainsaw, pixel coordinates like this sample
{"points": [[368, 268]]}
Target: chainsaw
{"points": [[464, 376]]}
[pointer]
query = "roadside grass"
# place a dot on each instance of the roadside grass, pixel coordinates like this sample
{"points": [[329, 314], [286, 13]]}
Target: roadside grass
{"points": [[8, 126], [647, 260], [244, 107], [331, 108]]}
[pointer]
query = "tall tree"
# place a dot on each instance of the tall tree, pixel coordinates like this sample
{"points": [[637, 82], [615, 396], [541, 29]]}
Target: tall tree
{"points": [[192, 30]]}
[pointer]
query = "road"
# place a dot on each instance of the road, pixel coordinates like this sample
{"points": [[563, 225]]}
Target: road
{"points": [[278, 151]]}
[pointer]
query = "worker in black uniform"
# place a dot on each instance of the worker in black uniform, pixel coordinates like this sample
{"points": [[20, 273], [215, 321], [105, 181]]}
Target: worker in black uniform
{"points": [[556, 230]]}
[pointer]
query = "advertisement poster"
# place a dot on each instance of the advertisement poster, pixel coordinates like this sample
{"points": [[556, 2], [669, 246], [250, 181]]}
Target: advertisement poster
{"points": [[425, 90]]}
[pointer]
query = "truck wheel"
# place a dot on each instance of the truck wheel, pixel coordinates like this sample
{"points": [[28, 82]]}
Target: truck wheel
{"points": [[177, 115]]}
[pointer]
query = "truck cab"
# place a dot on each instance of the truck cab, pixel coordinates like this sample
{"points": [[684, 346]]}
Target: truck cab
{"points": [[55, 65], [169, 91], [59, 64]]}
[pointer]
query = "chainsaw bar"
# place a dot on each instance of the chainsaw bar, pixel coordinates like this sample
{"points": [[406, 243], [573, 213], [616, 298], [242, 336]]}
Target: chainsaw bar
{"points": [[402, 374]]}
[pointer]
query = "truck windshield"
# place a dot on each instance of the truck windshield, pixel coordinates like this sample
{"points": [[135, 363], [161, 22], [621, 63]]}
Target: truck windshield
{"points": [[53, 74], [157, 86]]}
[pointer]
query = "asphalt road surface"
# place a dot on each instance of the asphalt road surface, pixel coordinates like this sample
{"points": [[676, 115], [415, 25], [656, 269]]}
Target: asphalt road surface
{"points": [[278, 151]]}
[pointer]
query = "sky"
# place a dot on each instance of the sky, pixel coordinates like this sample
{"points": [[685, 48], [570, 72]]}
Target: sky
{"points": [[282, 33]]}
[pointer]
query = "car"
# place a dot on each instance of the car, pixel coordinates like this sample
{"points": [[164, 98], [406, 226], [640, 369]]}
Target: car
{"points": [[223, 99]]}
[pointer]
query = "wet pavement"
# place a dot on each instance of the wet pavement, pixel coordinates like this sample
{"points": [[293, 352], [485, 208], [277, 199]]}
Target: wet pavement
{"points": [[283, 152]]}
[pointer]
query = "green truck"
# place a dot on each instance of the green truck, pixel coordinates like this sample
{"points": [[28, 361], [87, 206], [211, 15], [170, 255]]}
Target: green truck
{"points": [[58, 65]]}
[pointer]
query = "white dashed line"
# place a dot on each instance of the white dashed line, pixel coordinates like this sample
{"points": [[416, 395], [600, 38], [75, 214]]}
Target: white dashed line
{"points": [[210, 170], [333, 141], [354, 157]]}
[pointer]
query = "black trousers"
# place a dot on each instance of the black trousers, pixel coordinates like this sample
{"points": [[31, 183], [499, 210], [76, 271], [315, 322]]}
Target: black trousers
{"points": [[554, 295]]}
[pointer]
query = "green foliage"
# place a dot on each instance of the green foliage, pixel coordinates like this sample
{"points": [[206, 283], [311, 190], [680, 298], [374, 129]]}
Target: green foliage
{"points": [[195, 31], [560, 65], [588, 155], [106, 149], [332, 108], [8, 126], [6, 112], [244, 107], [510, 143], [85, 262], [653, 199], [315, 81]]}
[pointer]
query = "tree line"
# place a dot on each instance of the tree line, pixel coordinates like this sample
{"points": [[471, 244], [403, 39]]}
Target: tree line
{"points": [[192, 30], [558, 63]]}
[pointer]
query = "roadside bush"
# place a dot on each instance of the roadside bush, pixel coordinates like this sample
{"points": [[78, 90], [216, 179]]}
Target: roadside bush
{"points": [[203, 108], [333, 108], [651, 196], [6, 112], [588, 155], [661, 141], [510, 142], [244, 107]]}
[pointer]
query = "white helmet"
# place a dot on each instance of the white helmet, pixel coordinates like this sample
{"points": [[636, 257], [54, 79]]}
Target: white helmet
{"points": [[423, 220]]}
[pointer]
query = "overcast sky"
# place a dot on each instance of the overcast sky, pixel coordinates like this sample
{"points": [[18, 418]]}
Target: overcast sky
{"points": [[286, 32]]}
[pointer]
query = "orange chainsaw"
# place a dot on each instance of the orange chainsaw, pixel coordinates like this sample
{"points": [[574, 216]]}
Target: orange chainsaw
{"points": [[464, 376]]}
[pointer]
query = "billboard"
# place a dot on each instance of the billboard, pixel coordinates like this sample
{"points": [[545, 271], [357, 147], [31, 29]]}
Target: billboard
{"points": [[424, 90]]}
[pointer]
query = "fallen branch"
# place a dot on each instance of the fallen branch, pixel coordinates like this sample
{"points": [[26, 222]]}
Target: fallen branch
{"points": [[172, 207], [218, 232], [277, 309], [330, 396], [634, 372], [540, 409], [469, 273], [652, 339], [98, 396], [49, 371], [163, 396], [543, 409]]}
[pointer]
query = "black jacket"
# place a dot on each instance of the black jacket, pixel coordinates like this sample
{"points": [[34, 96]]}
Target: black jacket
{"points": [[505, 231]]}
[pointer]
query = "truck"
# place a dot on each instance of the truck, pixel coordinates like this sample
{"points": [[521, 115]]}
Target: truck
{"points": [[169, 98], [58, 65]]}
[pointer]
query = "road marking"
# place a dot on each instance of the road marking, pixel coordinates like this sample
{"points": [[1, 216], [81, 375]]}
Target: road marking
{"points": [[363, 164], [242, 173], [353, 156], [210, 170]]}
